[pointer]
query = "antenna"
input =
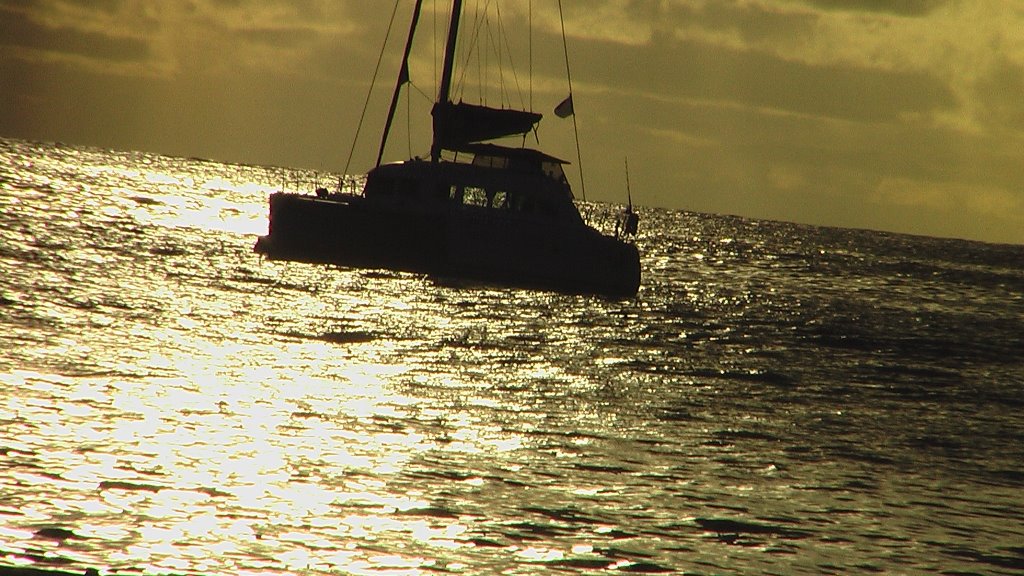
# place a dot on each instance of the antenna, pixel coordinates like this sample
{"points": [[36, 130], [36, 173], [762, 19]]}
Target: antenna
{"points": [[629, 195], [628, 220]]}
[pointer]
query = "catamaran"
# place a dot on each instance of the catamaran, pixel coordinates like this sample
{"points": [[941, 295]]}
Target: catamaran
{"points": [[472, 210]]}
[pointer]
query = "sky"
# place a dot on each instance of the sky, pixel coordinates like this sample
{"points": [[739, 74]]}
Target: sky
{"points": [[897, 115]]}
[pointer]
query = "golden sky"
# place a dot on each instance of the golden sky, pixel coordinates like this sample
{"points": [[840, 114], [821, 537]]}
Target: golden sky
{"points": [[901, 115]]}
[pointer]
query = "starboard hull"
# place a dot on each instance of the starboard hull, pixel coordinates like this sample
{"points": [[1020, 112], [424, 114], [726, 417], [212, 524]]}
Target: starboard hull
{"points": [[449, 242]]}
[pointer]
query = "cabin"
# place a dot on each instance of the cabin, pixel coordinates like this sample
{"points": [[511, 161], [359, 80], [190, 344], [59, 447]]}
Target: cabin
{"points": [[517, 182]]}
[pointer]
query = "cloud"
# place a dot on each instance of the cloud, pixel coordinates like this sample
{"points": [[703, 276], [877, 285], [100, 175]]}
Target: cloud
{"points": [[966, 209], [209, 37], [30, 33], [897, 7], [694, 70], [984, 201], [1000, 93]]}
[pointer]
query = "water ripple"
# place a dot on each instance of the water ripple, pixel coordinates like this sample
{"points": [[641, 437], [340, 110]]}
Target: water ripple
{"points": [[778, 398]]}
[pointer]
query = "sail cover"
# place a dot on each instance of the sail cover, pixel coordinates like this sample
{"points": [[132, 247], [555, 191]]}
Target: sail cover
{"points": [[459, 124]]}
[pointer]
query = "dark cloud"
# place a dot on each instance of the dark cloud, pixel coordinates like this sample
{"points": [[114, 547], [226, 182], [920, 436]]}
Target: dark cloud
{"points": [[912, 177], [280, 37], [689, 69], [107, 6], [895, 7], [753, 22], [18, 29], [236, 117], [1001, 96]]}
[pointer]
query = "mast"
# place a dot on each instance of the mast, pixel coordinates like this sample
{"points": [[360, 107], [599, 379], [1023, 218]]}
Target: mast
{"points": [[403, 77], [458, 124], [444, 94]]}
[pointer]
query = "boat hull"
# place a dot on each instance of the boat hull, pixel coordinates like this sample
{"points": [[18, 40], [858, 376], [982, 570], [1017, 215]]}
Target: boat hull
{"points": [[449, 241]]}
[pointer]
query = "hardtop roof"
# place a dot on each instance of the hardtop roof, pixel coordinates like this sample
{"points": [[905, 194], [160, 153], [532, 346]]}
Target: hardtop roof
{"points": [[508, 152]]}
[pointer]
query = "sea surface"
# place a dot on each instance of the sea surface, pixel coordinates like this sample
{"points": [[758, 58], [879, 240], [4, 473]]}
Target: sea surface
{"points": [[778, 399]]}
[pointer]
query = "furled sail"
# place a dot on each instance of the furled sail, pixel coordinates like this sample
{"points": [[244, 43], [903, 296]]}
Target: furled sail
{"points": [[459, 124]]}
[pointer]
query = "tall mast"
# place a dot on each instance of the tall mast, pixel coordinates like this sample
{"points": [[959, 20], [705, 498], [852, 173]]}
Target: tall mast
{"points": [[449, 53], [403, 77], [444, 93]]}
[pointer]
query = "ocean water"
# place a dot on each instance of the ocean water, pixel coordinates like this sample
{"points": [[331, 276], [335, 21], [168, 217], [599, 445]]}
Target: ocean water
{"points": [[778, 399]]}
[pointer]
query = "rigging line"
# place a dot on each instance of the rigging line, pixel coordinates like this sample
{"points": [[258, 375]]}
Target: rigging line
{"points": [[470, 50], [531, 54], [503, 50], [504, 42], [575, 127], [369, 92], [483, 56], [426, 97], [501, 63], [515, 76], [403, 78], [483, 61]]}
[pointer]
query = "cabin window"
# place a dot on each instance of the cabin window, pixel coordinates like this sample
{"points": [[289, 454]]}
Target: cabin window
{"points": [[490, 161], [484, 198], [554, 171], [474, 196]]}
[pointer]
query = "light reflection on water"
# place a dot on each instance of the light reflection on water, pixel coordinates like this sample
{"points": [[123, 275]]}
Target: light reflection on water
{"points": [[185, 474], [175, 405]]}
